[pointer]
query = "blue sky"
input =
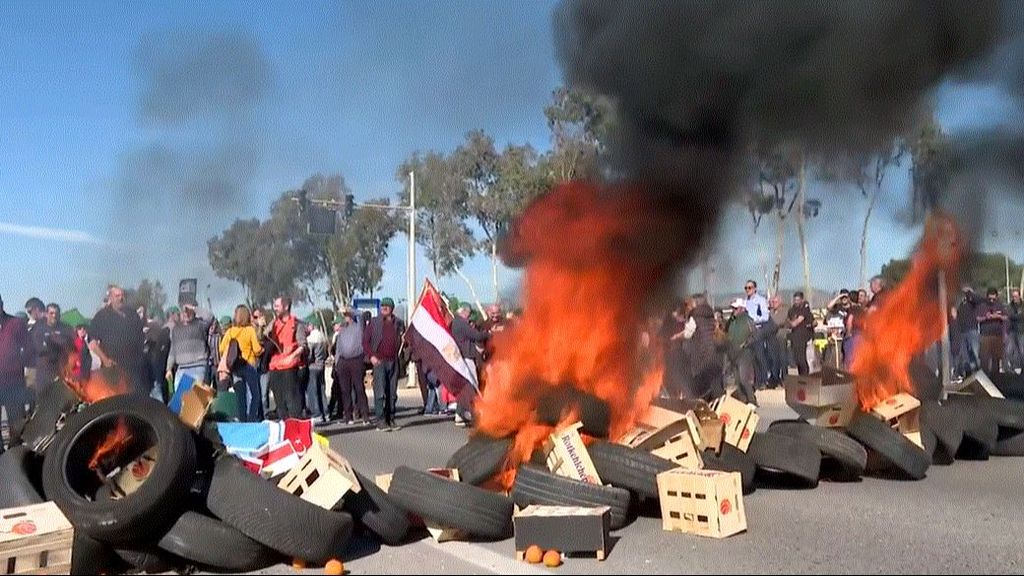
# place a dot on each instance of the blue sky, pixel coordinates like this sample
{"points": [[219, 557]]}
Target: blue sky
{"points": [[352, 88]]}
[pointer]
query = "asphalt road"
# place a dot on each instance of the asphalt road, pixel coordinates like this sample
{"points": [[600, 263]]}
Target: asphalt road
{"points": [[964, 518]]}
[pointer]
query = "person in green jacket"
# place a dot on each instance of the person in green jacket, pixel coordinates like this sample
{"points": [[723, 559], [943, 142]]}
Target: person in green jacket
{"points": [[740, 331]]}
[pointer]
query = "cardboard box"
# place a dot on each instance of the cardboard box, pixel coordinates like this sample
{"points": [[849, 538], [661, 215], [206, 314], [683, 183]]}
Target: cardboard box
{"points": [[828, 388], [740, 420], [835, 416], [682, 450], [195, 403], [702, 502], [903, 412], [35, 539], [322, 477], [568, 529], [567, 456]]}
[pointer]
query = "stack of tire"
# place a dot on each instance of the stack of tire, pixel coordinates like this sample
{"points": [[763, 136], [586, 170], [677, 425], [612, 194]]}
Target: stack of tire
{"points": [[197, 509]]}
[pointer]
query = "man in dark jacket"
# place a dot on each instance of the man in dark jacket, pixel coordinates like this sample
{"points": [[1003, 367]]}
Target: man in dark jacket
{"points": [[468, 338], [991, 322], [49, 333], [381, 342], [801, 325], [117, 340], [15, 349], [707, 362], [1015, 332]]}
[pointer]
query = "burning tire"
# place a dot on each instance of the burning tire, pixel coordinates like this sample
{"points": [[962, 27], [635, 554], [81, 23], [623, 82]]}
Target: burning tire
{"points": [[535, 485], [629, 468], [162, 492], [785, 458], [212, 543], [373, 508], [592, 411], [55, 402], [17, 468], [843, 458], [480, 459], [894, 447], [275, 518], [732, 459], [451, 504]]}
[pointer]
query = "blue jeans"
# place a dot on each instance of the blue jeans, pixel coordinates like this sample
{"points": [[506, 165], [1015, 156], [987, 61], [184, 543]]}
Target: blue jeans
{"points": [[315, 393], [198, 373], [385, 390], [248, 394]]}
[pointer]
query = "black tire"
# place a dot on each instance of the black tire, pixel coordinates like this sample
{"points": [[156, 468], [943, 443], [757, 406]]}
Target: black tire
{"points": [[150, 560], [593, 412], [212, 543], [629, 468], [1006, 413], [475, 511], [146, 514], [56, 401], [785, 459], [843, 458], [90, 556], [275, 518], [374, 509], [480, 459], [1011, 385], [535, 485], [908, 458], [18, 466], [732, 459], [1010, 446], [942, 423]]}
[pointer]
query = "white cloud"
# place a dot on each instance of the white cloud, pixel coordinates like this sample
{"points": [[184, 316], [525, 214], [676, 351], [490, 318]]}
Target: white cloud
{"points": [[54, 234]]}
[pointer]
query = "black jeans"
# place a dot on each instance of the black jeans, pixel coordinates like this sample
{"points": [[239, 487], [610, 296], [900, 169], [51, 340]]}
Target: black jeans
{"points": [[287, 393], [385, 390], [799, 346], [348, 382]]}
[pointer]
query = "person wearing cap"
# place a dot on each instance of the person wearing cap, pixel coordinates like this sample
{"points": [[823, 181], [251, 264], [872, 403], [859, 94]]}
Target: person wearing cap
{"points": [[15, 346], [741, 331], [381, 341]]}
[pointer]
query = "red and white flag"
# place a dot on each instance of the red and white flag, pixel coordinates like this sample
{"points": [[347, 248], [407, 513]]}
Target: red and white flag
{"points": [[430, 341]]}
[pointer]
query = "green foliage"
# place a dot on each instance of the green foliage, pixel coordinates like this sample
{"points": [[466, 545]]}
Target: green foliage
{"points": [[983, 271]]}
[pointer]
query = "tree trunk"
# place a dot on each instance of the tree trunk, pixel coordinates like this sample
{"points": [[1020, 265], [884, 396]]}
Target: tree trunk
{"points": [[780, 242], [800, 222], [864, 238], [472, 290], [494, 269]]}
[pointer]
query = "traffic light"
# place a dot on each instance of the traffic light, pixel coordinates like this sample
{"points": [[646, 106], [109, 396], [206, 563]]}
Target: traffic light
{"points": [[350, 205]]}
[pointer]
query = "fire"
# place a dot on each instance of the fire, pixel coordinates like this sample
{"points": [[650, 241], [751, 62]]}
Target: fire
{"points": [[111, 446], [593, 257], [102, 384], [908, 321]]}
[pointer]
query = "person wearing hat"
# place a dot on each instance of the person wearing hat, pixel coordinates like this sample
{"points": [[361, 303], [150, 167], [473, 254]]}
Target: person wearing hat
{"points": [[381, 342], [741, 331], [15, 345]]}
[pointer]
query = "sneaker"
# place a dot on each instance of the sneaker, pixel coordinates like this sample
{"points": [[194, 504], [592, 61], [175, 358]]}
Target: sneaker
{"points": [[351, 422], [459, 421], [395, 427], [383, 428]]}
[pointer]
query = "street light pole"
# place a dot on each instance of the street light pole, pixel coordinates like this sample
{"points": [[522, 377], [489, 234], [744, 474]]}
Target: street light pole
{"points": [[411, 282]]}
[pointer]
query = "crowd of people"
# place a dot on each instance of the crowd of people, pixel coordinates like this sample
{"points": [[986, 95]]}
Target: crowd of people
{"points": [[276, 365]]}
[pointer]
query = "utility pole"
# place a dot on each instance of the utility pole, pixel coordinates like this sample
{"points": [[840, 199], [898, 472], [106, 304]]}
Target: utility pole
{"points": [[410, 289]]}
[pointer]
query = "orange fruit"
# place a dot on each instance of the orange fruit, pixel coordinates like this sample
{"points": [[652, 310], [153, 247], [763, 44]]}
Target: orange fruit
{"points": [[552, 559], [334, 567], [298, 564], [534, 554]]}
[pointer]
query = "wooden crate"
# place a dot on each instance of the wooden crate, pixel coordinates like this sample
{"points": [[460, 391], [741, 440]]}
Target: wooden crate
{"points": [[702, 502], [740, 420], [568, 529], [322, 477], [681, 449], [35, 539], [566, 455], [902, 412]]}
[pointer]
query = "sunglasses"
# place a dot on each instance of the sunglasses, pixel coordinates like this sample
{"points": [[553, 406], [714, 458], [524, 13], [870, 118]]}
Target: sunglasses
{"points": [[748, 287]]}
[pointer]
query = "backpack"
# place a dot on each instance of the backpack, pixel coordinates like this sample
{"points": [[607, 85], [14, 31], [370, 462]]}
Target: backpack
{"points": [[233, 357]]}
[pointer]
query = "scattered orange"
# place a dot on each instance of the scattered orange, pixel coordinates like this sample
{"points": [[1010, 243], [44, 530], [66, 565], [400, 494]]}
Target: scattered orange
{"points": [[534, 554], [298, 564], [552, 559], [334, 567]]}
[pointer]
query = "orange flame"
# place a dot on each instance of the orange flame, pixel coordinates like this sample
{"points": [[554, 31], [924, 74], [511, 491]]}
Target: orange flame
{"points": [[593, 257], [116, 441], [908, 321], [102, 384]]}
